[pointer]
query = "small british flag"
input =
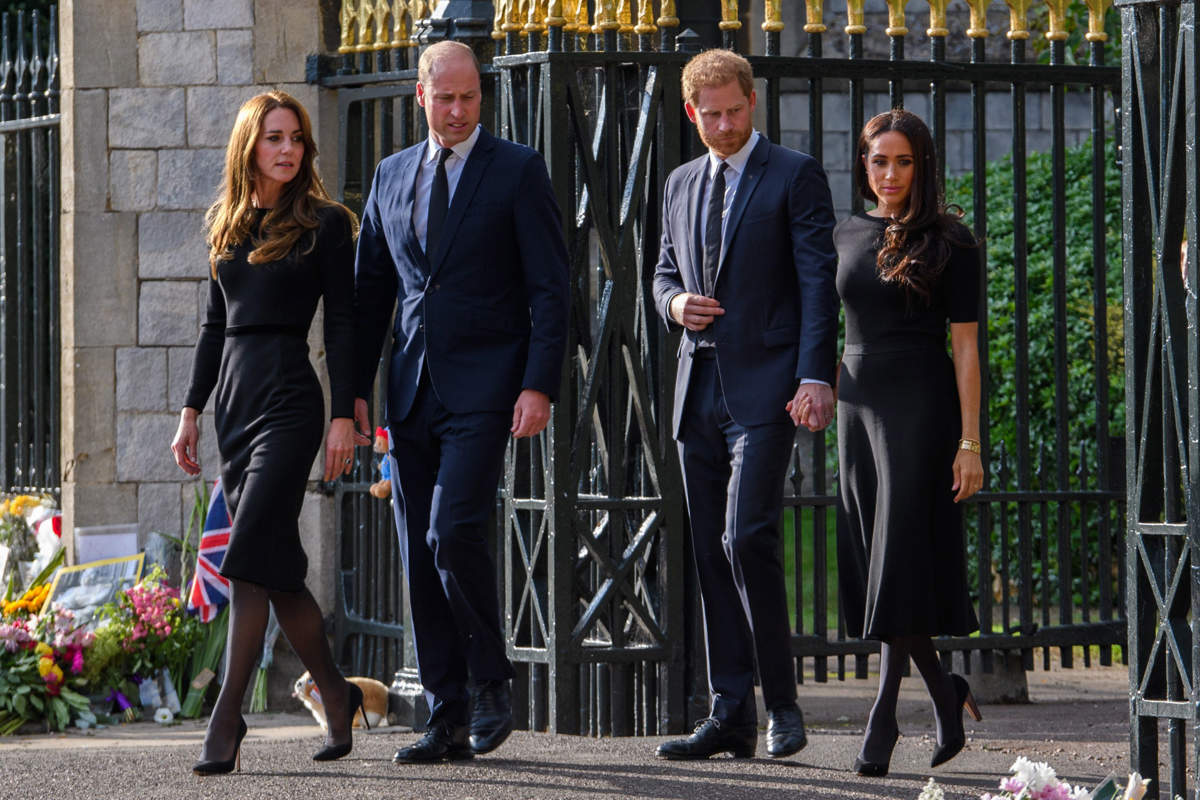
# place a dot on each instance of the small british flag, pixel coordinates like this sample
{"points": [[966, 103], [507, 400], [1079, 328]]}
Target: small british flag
{"points": [[210, 589]]}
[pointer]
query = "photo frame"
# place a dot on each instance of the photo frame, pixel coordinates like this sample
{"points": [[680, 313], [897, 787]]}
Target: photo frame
{"points": [[84, 588]]}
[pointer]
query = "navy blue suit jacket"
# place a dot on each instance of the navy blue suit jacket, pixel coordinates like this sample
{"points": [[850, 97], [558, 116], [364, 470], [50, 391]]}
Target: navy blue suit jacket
{"points": [[775, 280], [487, 312]]}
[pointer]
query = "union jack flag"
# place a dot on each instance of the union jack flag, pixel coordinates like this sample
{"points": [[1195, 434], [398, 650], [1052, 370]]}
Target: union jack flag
{"points": [[210, 589]]}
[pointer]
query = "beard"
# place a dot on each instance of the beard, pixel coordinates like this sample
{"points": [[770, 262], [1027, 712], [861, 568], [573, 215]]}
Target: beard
{"points": [[727, 145]]}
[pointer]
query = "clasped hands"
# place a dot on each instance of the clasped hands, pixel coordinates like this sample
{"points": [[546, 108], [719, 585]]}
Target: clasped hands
{"points": [[813, 404]]}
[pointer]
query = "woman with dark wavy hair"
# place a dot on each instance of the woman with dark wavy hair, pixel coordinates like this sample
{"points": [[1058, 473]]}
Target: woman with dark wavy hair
{"points": [[277, 245], [908, 426]]}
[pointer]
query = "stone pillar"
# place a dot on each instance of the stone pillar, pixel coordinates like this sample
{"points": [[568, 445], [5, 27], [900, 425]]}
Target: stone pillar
{"points": [[150, 89]]}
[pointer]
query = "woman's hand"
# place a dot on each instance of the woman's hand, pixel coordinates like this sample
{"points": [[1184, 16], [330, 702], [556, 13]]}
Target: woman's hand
{"points": [[968, 475], [187, 438], [339, 448]]}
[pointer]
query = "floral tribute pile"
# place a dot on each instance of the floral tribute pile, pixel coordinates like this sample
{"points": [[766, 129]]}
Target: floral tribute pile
{"points": [[1037, 780]]}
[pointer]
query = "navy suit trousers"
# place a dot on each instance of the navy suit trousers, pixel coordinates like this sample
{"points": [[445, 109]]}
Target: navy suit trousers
{"points": [[445, 472], [733, 475]]}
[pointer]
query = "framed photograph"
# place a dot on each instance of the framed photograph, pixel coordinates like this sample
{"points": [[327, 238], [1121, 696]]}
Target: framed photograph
{"points": [[84, 588], [1108, 789]]}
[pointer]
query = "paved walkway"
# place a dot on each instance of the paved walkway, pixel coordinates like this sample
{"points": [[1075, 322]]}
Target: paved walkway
{"points": [[1078, 721]]}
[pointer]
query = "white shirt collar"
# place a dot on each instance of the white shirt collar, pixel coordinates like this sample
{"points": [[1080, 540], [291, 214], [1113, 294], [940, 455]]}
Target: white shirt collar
{"points": [[462, 149], [737, 161]]}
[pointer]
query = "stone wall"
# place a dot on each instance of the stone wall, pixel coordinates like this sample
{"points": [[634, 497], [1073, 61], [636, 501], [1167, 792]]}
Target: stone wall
{"points": [[150, 89]]}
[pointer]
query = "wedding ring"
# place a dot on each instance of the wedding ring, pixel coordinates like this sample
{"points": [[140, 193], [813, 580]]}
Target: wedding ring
{"points": [[346, 461]]}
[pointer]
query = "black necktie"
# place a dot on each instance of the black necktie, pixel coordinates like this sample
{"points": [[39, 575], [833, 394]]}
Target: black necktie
{"points": [[712, 229], [439, 202]]}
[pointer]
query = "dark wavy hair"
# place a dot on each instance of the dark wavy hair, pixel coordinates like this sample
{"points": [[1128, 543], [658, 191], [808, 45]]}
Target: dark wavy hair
{"points": [[916, 246]]}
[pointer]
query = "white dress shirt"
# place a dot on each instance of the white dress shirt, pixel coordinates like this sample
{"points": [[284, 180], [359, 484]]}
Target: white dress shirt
{"points": [[454, 168], [735, 165]]}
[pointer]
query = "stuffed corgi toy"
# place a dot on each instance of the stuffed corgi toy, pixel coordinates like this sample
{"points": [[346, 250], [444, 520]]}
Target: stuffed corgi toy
{"points": [[375, 700], [383, 487]]}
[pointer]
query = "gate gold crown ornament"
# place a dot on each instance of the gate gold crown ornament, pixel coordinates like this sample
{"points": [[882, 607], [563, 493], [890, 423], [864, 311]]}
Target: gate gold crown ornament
{"points": [[667, 18], [1058, 20], [978, 29], [645, 25], [1097, 9], [729, 16], [937, 19], [346, 21], [773, 17], [897, 24], [814, 14], [854, 17], [1018, 19]]}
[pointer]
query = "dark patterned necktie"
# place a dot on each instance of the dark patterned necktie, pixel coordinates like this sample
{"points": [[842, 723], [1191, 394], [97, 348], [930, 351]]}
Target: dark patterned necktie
{"points": [[712, 229], [439, 202]]}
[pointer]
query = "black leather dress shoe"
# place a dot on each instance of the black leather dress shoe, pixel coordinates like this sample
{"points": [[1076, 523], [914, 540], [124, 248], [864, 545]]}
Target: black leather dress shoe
{"points": [[442, 742], [491, 717], [712, 736], [785, 731]]}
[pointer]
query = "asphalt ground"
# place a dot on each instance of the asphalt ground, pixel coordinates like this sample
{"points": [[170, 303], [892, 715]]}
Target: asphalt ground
{"points": [[1077, 721]]}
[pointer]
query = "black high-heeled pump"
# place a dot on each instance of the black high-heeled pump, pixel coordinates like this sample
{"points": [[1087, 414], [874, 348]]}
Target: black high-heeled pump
{"points": [[354, 703], [876, 769], [229, 765], [954, 744]]}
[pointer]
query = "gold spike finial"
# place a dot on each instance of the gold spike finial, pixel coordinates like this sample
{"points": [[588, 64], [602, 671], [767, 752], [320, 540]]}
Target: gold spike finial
{"points": [[625, 16], [383, 11], [512, 16], [773, 17], [1097, 10], [554, 14], [605, 16], [897, 24], [814, 14], [978, 29], [937, 19], [854, 17], [729, 16], [645, 25], [498, 20], [366, 30], [1018, 19], [666, 17], [399, 23], [1058, 20], [348, 16], [535, 20]]}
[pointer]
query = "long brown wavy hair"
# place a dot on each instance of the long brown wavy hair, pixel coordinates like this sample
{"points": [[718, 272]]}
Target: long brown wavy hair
{"points": [[916, 246], [229, 220]]}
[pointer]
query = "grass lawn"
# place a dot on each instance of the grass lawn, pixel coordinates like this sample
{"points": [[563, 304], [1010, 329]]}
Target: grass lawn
{"points": [[805, 514]]}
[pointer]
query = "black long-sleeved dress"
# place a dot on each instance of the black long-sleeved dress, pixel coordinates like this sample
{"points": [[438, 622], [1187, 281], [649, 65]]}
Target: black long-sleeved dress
{"points": [[269, 410], [901, 552]]}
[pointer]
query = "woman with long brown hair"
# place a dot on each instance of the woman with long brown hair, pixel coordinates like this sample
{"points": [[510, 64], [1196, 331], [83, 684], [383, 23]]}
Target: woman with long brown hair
{"points": [[277, 245], [908, 426]]}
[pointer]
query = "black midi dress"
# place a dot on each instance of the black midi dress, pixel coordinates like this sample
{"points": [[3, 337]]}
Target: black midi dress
{"points": [[901, 550], [269, 412]]}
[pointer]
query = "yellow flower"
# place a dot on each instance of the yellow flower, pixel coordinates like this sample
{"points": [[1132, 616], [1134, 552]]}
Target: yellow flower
{"points": [[44, 651], [3, 508], [45, 665]]}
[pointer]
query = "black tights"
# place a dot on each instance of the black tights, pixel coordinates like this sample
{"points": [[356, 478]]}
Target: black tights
{"points": [[301, 621], [881, 724]]}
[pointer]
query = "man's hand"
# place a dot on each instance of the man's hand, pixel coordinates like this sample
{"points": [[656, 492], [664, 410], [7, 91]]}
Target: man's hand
{"points": [[362, 423], [812, 406], [694, 311], [530, 414]]}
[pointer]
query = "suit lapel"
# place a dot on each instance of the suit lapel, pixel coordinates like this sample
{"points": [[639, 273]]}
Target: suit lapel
{"points": [[468, 182], [756, 166], [695, 221], [407, 170]]}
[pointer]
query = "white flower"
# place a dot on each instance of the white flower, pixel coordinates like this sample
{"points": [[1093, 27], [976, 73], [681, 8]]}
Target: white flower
{"points": [[163, 716], [931, 792], [1137, 786], [1080, 793]]}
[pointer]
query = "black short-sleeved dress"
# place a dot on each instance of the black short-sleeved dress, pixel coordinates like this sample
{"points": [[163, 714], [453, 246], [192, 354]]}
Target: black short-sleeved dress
{"points": [[901, 551], [269, 411]]}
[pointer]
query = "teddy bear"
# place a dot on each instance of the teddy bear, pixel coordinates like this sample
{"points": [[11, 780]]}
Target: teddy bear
{"points": [[383, 487]]}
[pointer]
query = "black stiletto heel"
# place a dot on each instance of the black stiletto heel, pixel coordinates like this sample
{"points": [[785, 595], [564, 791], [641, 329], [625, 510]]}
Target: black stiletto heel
{"points": [[230, 765], [876, 769], [955, 744], [354, 703]]}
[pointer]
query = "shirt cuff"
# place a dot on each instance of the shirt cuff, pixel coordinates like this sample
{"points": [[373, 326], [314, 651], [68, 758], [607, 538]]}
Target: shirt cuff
{"points": [[814, 380]]}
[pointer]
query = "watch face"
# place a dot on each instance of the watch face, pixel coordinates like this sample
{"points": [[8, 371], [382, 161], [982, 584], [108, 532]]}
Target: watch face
{"points": [[1108, 789]]}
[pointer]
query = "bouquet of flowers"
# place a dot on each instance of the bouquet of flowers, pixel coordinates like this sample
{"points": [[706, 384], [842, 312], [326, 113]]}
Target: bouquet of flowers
{"points": [[1037, 780], [41, 661]]}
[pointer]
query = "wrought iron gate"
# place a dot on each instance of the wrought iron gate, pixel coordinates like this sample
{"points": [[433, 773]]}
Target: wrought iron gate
{"points": [[1161, 178], [600, 603], [29, 183]]}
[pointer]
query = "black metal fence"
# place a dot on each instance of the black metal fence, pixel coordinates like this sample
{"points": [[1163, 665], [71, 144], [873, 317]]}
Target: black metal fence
{"points": [[29, 217], [1160, 209], [600, 602]]}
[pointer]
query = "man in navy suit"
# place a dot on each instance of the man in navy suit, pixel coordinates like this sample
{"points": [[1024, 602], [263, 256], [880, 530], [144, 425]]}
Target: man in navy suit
{"points": [[747, 268], [463, 232]]}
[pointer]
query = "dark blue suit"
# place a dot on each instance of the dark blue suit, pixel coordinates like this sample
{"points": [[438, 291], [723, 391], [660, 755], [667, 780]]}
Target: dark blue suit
{"points": [[477, 321], [775, 281]]}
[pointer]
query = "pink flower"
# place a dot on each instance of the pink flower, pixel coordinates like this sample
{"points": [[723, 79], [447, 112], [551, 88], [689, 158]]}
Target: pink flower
{"points": [[1011, 785], [77, 662]]}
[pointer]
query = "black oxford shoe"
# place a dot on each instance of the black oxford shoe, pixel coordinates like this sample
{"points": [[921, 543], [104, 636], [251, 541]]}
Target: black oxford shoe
{"points": [[491, 717], [442, 742], [785, 731], [712, 736]]}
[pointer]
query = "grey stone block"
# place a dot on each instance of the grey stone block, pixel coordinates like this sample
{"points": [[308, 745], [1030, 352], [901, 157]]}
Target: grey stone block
{"points": [[1038, 142], [284, 33], [1078, 106], [793, 110], [998, 107], [959, 112], [834, 108], [146, 117], [158, 510], [316, 527], [958, 152], [84, 141], [159, 15], [999, 144], [189, 179], [95, 504], [132, 176], [210, 457], [177, 59], [98, 47], [144, 447], [211, 111], [99, 260], [88, 414], [167, 313], [171, 245], [141, 379], [842, 188], [179, 377], [235, 57], [218, 14], [917, 103]]}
